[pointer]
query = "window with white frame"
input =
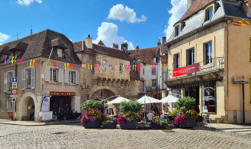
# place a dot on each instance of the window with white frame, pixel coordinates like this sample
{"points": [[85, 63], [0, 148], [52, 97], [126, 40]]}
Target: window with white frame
{"points": [[9, 104], [177, 30], [28, 78], [60, 53], [208, 53], [54, 74], [176, 61], [72, 77], [190, 56], [209, 14], [7, 80]]}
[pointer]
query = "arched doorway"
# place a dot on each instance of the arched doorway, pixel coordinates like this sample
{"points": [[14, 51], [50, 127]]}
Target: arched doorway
{"points": [[102, 94], [28, 108]]}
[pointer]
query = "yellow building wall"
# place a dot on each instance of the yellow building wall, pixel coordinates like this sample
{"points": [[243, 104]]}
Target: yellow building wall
{"points": [[216, 34], [238, 65]]}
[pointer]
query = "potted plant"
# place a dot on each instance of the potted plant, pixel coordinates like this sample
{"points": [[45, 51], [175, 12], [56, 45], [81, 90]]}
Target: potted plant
{"points": [[108, 123], [92, 116], [187, 116], [129, 114], [159, 123]]}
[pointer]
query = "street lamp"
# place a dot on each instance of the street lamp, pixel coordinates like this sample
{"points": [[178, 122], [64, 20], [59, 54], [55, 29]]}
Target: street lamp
{"points": [[242, 82]]}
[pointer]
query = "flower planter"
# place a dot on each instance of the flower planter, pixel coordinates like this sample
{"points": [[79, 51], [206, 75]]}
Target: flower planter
{"points": [[156, 126], [93, 124], [129, 125], [110, 126], [191, 123]]}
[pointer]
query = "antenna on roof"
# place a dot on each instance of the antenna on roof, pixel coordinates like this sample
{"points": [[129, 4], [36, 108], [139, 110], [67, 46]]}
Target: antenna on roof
{"points": [[31, 30], [17, 34]]}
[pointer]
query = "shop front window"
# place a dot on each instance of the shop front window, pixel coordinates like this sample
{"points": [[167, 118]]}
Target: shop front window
{"points": [[209, 99]]}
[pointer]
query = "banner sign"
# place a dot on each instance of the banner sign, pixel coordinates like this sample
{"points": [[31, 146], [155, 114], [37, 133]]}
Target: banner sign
{"points": [[186, 70], [45, 104]]}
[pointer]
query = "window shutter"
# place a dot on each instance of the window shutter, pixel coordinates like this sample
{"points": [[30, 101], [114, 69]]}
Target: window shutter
{"points": [[66, 76], [23, 79], [33, 78], [5, 81], [77, 77], [47, 74], [60, 78]]}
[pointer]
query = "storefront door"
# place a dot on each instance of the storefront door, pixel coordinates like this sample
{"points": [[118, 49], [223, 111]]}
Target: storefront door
{"points": [[195, 93]]}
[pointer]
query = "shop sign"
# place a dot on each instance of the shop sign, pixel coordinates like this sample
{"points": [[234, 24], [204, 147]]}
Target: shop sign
{"points": [[186, 70], [62, 93]]}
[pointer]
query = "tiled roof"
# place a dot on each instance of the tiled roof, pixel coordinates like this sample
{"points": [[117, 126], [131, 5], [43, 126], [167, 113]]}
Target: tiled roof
{"points": [[80, 46], [144, 55], [195, 7], [40, 45], [111, 52]]}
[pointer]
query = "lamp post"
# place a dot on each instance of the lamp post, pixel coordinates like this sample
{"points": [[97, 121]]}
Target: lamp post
{"points": [[243, 97]]}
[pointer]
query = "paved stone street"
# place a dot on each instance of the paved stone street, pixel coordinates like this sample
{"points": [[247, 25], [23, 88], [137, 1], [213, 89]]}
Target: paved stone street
{"points": [[73, 136]]}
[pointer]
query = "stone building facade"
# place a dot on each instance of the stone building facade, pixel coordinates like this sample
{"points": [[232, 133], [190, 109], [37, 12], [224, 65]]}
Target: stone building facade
{"points": [[208, 54], [154, 69], [52, 66]]}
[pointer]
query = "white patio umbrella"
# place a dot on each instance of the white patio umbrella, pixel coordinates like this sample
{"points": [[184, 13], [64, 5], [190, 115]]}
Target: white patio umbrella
{"points": [[118, 100], [148, 100], [169, 98]]}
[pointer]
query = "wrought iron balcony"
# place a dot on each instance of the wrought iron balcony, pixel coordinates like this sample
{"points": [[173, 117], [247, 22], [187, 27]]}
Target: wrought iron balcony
{"points": [[216, 65]]}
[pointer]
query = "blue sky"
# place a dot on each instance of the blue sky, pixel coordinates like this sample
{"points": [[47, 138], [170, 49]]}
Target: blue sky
{"points": [[139, 22]]}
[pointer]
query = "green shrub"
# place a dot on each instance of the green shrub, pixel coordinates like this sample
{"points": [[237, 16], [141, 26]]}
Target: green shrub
{"points": [[185, 104], [131, 106], [93, 104]]}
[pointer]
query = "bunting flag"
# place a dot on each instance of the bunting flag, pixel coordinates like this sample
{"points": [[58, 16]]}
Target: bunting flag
{"points": [[241, 22], [68, 66]]}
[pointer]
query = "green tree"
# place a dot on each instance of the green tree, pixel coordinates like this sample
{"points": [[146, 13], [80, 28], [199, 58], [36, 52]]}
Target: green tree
{"points": [[185, 104]]}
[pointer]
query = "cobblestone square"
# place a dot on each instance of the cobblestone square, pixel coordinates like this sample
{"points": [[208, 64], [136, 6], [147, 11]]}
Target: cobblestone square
{"points": [[74, 136]]}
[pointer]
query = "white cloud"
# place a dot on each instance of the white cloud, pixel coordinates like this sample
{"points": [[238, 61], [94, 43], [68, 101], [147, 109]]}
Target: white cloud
{"points": [[178, 9], [123, 13], [28, 2], [108, 33], [3, 37]]}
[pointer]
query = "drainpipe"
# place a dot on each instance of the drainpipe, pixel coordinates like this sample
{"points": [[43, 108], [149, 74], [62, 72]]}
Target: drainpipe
{"points": [[243, 103]]}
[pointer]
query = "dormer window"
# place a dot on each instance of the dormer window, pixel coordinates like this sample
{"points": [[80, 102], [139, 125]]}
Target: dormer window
{"points": [[177, 30], [60, 53], [209, 14]]}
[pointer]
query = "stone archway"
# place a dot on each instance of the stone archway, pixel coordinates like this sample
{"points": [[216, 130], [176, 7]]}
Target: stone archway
{"points": [[27, 106], [102, 93]]}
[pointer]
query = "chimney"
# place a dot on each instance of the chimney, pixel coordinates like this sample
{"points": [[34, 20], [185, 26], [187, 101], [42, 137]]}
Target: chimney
{"points": [[115, 46], [158, 44], [137, 47], [189, 3], [163, 39], [88, 42], [124, 46]]}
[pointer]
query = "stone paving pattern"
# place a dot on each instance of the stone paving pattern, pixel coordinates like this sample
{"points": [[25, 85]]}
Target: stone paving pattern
{"points": [[74, 136]]}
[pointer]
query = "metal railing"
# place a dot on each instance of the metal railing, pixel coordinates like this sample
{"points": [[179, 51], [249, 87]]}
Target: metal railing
{"points": [[215, 65]]}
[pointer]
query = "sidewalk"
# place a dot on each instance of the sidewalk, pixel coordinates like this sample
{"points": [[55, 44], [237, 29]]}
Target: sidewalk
{"points": [[31, 123], [231, 128]]}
